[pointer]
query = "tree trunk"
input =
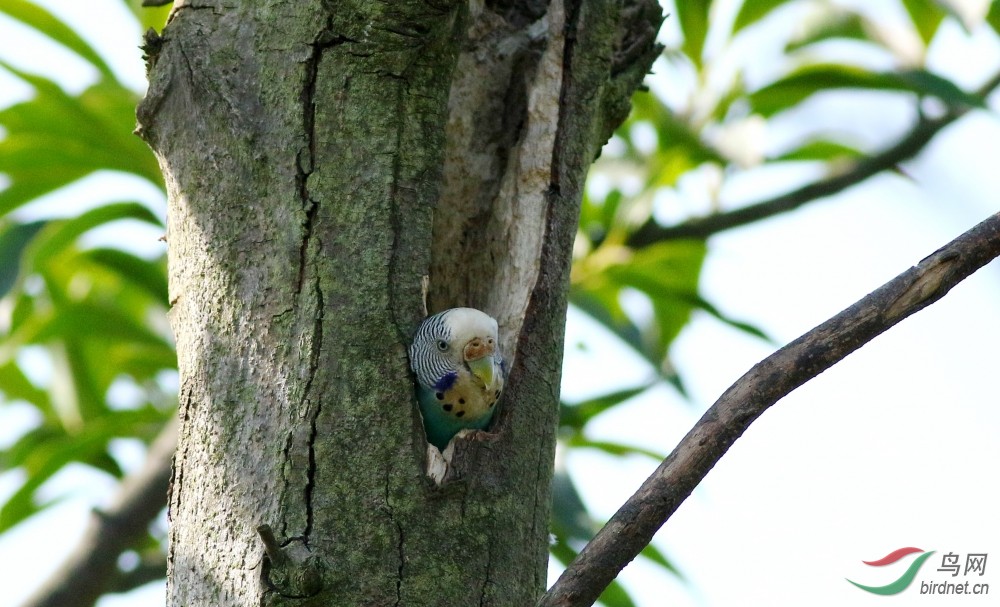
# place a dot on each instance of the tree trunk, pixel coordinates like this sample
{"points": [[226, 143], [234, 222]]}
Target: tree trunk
{"points": [[322, 161]]}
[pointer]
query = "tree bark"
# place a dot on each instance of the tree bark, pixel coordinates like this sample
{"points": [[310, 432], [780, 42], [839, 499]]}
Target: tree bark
{"points": [[321, 162]]}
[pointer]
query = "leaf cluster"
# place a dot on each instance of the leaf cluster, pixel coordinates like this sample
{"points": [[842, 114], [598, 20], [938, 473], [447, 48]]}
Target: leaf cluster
{"points": [[702, 127], [85, 352]]}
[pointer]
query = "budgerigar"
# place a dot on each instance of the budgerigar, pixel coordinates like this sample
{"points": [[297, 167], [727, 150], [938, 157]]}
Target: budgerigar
{"points": [[460, 373]]}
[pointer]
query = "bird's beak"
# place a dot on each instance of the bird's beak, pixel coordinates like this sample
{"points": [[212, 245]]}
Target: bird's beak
{"points": [[483, 369], [478, 354]]}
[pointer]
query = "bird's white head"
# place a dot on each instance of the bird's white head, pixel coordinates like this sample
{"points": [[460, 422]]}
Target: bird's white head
{"points": [[473, 333], [460, 336]]}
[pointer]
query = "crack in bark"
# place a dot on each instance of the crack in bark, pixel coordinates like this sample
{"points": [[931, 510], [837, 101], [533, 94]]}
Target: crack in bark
{"points": [[539, 471], [311, 208], [177, 472], [286, 454], [486, 578], [400, 569], [315, 348], [176, 469], [402, 564], [324, 40], [310, 476], [572, 9], [187, 63], [307, 155]]}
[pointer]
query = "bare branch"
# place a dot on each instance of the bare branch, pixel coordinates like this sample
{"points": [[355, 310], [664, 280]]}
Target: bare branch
{"points": [[889, 159], [703, 227], [92, 569], [633, 526]]}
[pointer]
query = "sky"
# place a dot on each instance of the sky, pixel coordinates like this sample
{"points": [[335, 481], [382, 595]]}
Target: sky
{"points": [[895, 446]]}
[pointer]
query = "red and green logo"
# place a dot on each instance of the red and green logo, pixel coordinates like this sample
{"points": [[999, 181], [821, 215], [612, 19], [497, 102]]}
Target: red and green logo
{"points": [[904, 580]]}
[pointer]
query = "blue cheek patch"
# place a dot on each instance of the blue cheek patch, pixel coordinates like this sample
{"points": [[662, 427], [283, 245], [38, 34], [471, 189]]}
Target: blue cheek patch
{"points": [[446, 382]]}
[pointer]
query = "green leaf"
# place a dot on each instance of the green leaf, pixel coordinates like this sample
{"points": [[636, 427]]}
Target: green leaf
{"points": [[55, 138], [835, 24], [563, 553], [993, 17], [93, 314], [39, 19], [929, 83], [45, 462], [822, 150], [24, 309], [149, 16], [613, 448], [602, 305], [31, 442], [702, 304], [598, 218], [653, 554], [14, 238], [45, 451], [926, 16], [99, 321], [114, 106], [810, 79], [753, 11], [86, 402], [577, 415], [613, 596], [679, 148], [616, 596], [142, 361], [733, 94], [149, 276], [15, 385], [21, 505], [676, 136], [572, 524], [103, 322], [666, 272], [693, 17], [570, 519], [62, 233]]}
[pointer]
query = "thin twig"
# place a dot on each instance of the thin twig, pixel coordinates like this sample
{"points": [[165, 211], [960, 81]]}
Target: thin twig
{"points": [[633, 526], [909, 146], [92, 568]]}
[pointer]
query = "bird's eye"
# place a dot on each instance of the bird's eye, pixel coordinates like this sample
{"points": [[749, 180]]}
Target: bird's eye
{"points": [[442, 345]]}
